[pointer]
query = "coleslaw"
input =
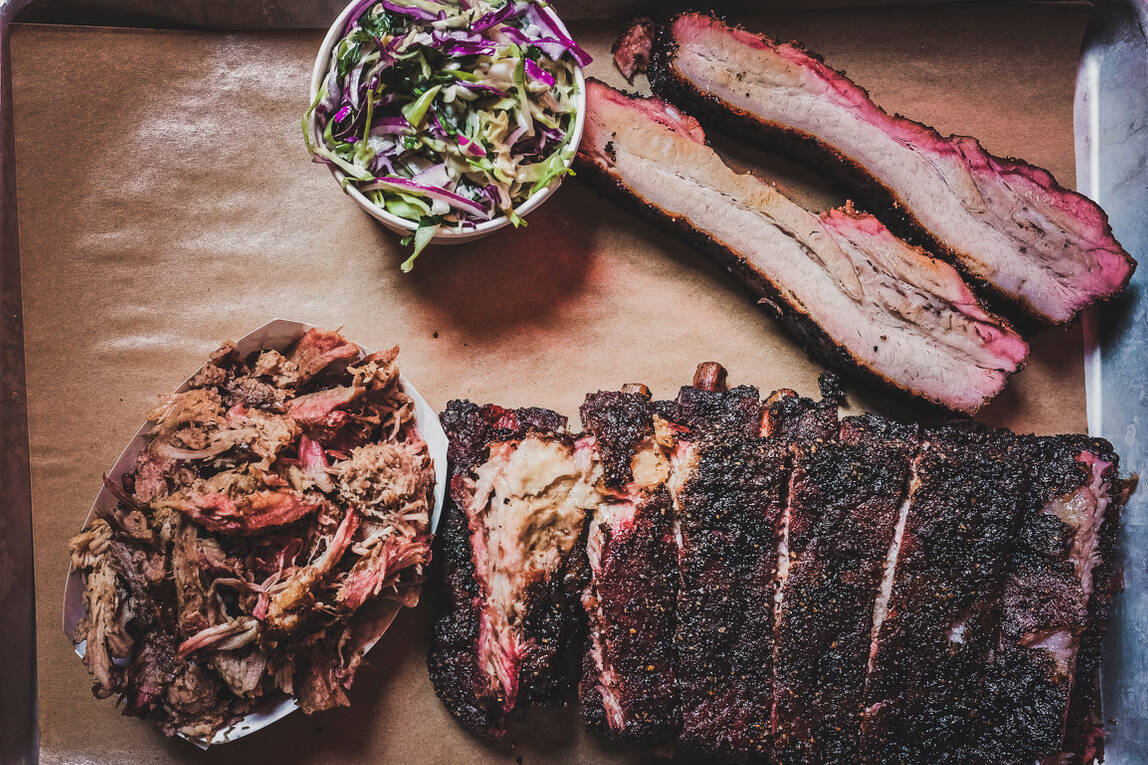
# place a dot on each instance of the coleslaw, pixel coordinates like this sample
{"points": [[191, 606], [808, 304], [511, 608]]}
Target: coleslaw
{"points": [[448, 113]]}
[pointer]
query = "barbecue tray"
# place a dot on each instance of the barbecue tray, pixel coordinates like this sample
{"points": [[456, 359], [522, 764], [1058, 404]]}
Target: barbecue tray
{"points": [[531, 327]]}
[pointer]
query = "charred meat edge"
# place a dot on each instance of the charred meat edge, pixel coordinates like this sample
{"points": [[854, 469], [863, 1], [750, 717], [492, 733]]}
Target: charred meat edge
{"points": [[628, 687]]}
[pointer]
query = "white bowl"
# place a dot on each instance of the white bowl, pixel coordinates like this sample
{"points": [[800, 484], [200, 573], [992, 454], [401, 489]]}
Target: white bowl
{"points": [[402, 225]]}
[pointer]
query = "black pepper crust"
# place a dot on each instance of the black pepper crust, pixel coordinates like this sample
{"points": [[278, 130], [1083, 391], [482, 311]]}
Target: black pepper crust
{"points": [[849, 175], [635, 589], [844, 499], [789, 417], [796, 320], [1042, 593], [552, 621], [925, 695], [619, 423], [737, 410], [729, 508]]}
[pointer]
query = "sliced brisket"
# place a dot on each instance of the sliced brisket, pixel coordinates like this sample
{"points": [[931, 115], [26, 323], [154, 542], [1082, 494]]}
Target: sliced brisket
{"points": [[1007, 224], [860, 298]]}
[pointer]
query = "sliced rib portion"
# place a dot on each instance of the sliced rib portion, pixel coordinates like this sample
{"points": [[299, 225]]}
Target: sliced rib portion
{"points": [[728, 494], [1004, 222], [925, 690], [628, 682], [510, 541], [844, 497], [1047, 591], [1084, 735], [860, 298]]}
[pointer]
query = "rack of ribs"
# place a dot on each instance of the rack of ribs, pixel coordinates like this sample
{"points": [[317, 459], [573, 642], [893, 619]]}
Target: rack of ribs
{"points": [[763, 580]]}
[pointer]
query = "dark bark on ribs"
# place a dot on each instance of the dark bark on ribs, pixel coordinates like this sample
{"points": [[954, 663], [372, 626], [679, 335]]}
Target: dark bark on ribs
{"points": [[619, 423], [1084, 738], [788, 417], [709, 404], [914, 315], [738, 409], [844, 501], [925, 693], [628, 688], [1047, 589], [728, 503], [552, 624], [1098, 266]]}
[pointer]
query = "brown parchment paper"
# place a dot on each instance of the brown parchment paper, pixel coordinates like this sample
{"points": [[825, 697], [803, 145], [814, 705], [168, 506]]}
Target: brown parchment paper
{"points": [[167, 204]]}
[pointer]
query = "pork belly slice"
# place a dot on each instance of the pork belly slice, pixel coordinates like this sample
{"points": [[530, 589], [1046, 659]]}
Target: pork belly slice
{"points": [[1047, 591], [845, 495], [627, 688], [924, 696], [511, 546], [1005, 223], [860, 298], [727, 486]]}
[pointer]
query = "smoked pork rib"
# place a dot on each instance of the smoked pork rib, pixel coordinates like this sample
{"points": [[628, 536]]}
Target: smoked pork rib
{"points": [[728, 494], [1073, 490], [1005, 223], [1084, 735], [511, 549], [860, 298], [628, 683], [925, 690], [844, 500]]}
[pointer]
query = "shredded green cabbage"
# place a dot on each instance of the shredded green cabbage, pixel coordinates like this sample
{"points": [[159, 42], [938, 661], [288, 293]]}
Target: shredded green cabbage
{"points": [[469, 104]]}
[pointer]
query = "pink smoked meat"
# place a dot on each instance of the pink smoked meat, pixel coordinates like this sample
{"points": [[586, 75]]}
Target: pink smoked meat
{"points": [[855, 294], [1005, 223], [253, 512]]}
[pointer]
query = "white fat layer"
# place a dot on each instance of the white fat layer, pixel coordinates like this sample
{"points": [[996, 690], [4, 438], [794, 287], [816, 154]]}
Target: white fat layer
{"points": [[529, 507], [683, 461], [957, 631], [1062, 644], [783, 562], [1003, 232], [909, 318], [782, 577], [650, 466], [1084, 511], [881, 606]]}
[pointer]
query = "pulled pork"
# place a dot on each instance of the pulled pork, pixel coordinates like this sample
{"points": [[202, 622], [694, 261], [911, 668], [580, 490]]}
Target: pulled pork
{"points": [[281, 505]]}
